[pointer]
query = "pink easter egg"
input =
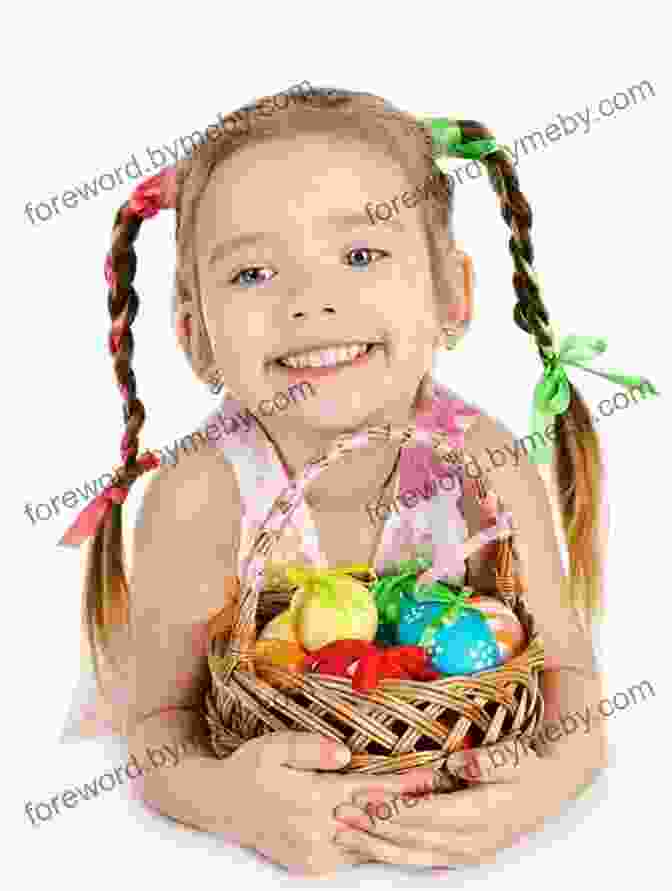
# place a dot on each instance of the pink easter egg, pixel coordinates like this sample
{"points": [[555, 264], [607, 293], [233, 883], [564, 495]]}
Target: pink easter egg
{"points": [[504, 624]]}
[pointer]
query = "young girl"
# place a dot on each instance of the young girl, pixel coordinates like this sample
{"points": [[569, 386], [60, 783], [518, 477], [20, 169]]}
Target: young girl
{"points": [[281, 281]]}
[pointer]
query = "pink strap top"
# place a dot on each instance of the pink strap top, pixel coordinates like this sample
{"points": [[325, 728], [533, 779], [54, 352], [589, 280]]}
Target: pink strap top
{"points": [[407, 532]]}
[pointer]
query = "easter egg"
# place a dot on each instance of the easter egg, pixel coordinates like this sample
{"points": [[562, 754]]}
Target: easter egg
{"points": [[504, 624], [284, 653], [280, 628], [476, 640], [279, 653], [346, 611]]}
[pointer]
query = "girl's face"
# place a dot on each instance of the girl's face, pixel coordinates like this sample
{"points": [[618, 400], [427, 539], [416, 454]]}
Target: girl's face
{"points": [[298, 285]]}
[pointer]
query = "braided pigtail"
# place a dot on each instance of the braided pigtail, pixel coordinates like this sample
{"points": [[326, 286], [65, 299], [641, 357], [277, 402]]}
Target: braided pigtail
{"points": [[106, 601], [578, 466]]}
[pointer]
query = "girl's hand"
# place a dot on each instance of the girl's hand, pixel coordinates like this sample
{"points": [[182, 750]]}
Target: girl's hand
{"points": [[466, 827], [278, 804]]}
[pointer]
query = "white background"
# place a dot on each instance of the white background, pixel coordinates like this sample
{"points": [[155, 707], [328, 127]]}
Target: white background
{"points": [[84, 86]]}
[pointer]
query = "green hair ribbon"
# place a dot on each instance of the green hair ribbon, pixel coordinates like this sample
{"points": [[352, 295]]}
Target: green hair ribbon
{"points": [[448, 139], [552, 393]]}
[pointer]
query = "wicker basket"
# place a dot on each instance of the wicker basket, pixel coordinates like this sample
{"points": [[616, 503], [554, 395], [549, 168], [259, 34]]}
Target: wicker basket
{"points": [[402, 724]]}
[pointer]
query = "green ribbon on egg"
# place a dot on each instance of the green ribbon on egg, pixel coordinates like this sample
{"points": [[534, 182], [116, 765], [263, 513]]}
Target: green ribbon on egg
{"points": [[389, 590]]}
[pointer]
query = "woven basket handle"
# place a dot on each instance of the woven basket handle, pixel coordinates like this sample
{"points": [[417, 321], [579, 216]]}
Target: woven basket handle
{"points": [[270, 531]]}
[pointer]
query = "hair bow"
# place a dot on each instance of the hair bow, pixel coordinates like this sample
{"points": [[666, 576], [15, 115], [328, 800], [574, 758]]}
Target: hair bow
{"points": [[448, 141], [94, 514], [153, 194], [552, 393]]}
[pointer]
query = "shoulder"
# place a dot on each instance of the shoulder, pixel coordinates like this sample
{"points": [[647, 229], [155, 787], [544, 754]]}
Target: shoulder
{"points": [[496, 453], [496, 456], [185, 548], [191, 508], [193, 483]]}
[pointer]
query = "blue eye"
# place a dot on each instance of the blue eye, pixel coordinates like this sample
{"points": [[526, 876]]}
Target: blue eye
{"points": [[246, 280], [363, 253]]}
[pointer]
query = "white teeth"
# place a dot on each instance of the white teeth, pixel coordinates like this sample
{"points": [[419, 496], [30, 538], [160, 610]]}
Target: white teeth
{"points": [[325, 358]]}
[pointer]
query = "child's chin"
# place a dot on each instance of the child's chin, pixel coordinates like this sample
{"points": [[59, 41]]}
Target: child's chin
{"points": [[336, 416]]}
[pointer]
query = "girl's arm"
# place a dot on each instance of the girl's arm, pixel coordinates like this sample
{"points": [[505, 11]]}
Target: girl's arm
{"points": [[183, 569], [571, 682], [512, 789], [276, 793]]}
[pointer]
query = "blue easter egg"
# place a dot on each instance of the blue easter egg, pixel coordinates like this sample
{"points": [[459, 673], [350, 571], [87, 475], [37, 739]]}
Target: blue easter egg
{"points": [[463, 646]]}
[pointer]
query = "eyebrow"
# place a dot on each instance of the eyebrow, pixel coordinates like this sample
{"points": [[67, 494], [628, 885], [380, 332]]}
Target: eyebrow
{"points": [[357, 219], [340, 221]]}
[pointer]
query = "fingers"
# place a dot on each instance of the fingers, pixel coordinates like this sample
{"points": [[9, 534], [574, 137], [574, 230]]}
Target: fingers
{"points": [[460, 812], [451, 852], [396, 816], [501, 763], [374, 822], [310, 851], [382, 788], [422, 834], [303, 751]]}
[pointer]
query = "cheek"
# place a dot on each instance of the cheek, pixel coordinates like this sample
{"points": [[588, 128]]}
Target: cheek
{"points": [[256, 325], [235, 318], [240, 337], [417, 340], [415, 316]]}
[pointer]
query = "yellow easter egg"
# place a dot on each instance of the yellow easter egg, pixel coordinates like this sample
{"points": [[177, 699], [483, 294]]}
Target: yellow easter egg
{"points": [[280, 628], [345, 610]]}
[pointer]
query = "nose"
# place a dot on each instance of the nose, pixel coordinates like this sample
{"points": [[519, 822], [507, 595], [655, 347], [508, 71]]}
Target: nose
{"points": [[302, 314]]}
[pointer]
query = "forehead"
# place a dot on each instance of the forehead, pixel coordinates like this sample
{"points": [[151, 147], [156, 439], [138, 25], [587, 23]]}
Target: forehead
{"points": [[297, 180]]}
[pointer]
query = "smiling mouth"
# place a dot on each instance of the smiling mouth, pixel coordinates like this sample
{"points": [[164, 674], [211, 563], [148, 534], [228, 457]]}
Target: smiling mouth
{"points": [[328, 357]]}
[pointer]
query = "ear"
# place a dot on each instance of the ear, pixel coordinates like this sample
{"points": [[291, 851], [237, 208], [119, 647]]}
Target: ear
{"points": [[462, 281], [193, 339], [457, 295]]}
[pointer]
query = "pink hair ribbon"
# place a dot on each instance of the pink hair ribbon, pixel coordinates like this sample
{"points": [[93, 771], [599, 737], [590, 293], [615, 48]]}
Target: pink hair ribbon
{"points": [[154, 194], [147, 199], [89, 520]]}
